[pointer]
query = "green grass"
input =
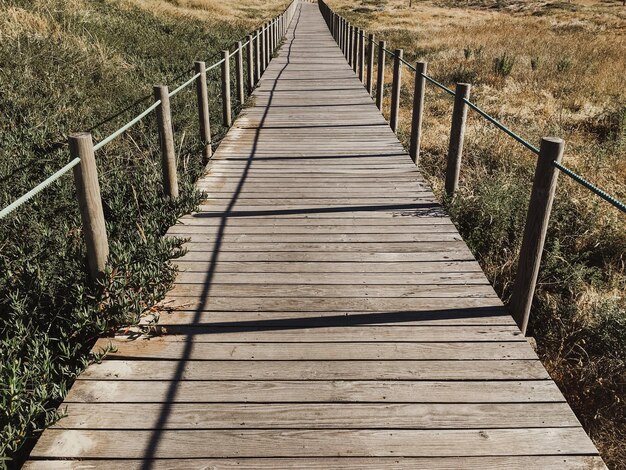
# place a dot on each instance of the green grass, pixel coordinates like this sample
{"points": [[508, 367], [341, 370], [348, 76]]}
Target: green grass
{"points": [[65, 69]]}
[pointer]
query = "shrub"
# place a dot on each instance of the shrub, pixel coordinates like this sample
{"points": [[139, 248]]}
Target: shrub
{"points": [[503, 65]]}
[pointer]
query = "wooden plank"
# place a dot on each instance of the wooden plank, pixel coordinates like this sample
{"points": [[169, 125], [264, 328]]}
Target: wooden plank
{"points": [[317, 416], [482, 290], [172, 350], [335, 279], [264, 267], [210, 303], [318, 442], [319, 257], [315, 319], [318, 370], [570, 462], [322, 238], [336, 391]]}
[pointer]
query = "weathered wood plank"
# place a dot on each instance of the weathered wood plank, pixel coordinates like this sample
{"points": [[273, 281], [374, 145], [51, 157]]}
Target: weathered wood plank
{"points": [[172, 350], [337, 391], [318, 442], [562, 462], [317, 370], [317, 416]]}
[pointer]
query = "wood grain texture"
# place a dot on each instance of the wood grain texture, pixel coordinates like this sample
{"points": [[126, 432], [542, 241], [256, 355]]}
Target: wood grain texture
{"points": [[326, 313]]}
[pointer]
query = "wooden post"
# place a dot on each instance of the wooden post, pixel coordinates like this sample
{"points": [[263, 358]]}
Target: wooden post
{"points": [[380, 76], [90, 203], [541, 197], [355, 49], [239, 71], [250, 62], [395, 89], [370, 64], [203, 110], [166, 138], [263, 47], [361, 55], [346, 31], [267, 45], [341, 34], [418, 111], [226, 111], [257, 58], [457, 133], [349, 48]]}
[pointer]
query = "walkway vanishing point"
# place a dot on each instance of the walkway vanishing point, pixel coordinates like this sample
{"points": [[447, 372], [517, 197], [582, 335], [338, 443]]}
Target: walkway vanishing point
{"points": [[327, 314]]}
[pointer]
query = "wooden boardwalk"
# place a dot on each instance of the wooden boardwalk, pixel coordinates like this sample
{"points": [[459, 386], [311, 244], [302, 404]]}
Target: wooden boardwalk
{"points": [[327, 314]]}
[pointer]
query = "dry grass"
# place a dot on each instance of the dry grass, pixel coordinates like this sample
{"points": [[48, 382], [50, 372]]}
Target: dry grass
{"points": [[566, 79], [244, 13]]}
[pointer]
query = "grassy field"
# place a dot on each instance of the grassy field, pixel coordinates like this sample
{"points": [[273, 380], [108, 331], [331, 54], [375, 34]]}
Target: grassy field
{"points": [[80, 65], [543, 69]]}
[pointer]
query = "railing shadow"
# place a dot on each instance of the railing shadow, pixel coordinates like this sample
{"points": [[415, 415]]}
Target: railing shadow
{"points": [[151, 450]]}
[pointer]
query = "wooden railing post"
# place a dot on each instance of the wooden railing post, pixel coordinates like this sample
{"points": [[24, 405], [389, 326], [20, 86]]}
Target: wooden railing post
{"points": [[395, 89], [538, 216], [457, 133], [341, 34], [166, 138], [370, 64], [250, 63], [90, 203], [226, 109], [361, 56], [355, 49], [257, 57], [203, 110], [263, 49], [267, 45], [346, 35], [350, 41], [380, 76], [418, 111], [239, 71]]}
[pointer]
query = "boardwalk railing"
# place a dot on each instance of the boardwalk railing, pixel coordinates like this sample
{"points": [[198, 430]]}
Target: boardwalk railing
{"points": [[352, 42], [259, 48]]}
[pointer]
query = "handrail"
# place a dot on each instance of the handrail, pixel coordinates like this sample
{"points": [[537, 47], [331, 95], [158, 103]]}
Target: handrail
{"points": [[44, 184], [502, 127], [37, 189], [575, 176], [591, 187]]}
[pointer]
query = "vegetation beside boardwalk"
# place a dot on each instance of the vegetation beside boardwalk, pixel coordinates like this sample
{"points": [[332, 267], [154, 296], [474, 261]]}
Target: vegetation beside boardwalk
{"points": [[68, 66], [543, 69]]}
